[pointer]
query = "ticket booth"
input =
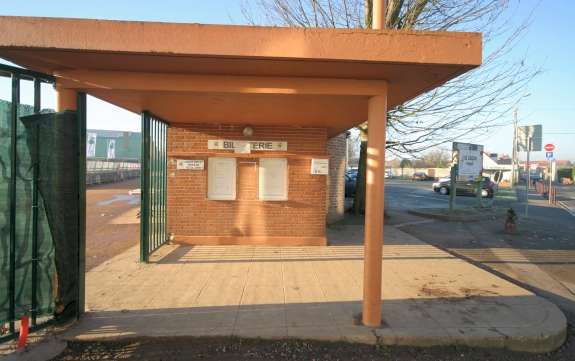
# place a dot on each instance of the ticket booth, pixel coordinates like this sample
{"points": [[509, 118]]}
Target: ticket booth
{"points": [[239, 121]]}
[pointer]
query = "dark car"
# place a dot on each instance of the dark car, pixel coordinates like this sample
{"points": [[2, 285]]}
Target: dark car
{"points": [[419, 176], [488, 188], [535, 178], [350, 184]]}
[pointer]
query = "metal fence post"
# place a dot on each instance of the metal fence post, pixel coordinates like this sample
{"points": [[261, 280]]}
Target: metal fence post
{"points": [[81, 111], [144, 185]]}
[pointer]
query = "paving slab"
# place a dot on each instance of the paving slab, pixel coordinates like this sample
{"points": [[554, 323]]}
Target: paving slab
{"points": [[429, 297]]}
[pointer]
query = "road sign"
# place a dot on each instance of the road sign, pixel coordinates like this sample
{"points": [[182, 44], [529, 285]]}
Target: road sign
{"points": [[527, 166], [549, 147], [531, 134], [548, 155]]}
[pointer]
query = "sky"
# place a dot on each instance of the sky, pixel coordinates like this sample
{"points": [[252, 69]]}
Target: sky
{"points": [[549, 43]]}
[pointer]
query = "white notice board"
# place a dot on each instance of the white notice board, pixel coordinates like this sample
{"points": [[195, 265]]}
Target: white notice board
{"points": [[222, 178], [470, 162], [273, 179]]}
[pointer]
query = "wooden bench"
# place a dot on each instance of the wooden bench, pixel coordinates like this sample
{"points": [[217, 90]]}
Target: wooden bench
{"points": [[566, 180]]}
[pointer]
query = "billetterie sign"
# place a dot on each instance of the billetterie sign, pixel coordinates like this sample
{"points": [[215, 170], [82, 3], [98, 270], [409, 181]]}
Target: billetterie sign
{"points": [[254, 145]]}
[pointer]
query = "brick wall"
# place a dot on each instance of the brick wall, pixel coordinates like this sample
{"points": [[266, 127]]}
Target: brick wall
{"points": [[191, 215], [336, 149]]}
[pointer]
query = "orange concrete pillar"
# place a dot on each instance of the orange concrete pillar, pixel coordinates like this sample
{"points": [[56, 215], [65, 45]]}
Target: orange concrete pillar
{"points": [[65, 99], [378, 14], [373, 241]]}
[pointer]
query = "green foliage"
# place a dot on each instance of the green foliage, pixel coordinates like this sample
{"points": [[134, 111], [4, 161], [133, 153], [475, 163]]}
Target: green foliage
{"points": [[565, 173], [459, 347], [405, 163]]}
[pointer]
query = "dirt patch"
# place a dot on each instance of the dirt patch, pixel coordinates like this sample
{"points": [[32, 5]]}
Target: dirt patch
{"points": [[476, 292], [112, 226], [435, 292]]}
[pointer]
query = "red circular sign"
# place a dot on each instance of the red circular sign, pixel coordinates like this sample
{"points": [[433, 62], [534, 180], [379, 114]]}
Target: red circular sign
{"points": [[549, 147], [527, 166]]}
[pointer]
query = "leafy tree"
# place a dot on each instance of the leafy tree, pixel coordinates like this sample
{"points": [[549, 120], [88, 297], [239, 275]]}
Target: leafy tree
{"points": [[405, 163], [465, 106]]}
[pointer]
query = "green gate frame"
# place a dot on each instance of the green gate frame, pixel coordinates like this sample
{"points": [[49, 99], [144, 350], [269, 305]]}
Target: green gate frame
{"points": [[17, 74], [153, 185]]}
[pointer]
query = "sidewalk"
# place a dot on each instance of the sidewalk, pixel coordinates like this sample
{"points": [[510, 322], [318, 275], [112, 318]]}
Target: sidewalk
{"points": [[429, 297]]}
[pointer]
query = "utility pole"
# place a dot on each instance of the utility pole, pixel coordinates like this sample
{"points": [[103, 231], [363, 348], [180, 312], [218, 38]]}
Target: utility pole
{"points": [[514, 152]]}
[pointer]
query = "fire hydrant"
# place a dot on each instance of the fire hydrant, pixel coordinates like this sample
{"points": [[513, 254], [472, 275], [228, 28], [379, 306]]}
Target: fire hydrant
{"points": [[510, 224]]}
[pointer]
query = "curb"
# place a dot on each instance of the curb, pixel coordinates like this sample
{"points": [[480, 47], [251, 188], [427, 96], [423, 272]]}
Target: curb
{"points": [[42, 350], [566, 207], [457, 218]]}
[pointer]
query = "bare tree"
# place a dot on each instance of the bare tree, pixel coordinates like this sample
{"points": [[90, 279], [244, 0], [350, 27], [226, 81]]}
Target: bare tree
{"points": [[437, 157], [465, 107], [353, 145]]}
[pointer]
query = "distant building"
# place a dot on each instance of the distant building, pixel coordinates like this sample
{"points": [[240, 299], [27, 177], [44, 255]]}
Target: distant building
{"points": [[498, 170], [113, 144]]}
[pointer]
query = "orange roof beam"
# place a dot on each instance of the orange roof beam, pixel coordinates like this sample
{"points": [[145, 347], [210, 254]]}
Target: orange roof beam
{"points": [[90, 79]]}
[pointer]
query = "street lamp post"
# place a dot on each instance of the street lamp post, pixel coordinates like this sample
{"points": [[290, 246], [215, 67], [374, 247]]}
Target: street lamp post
{"points": [[514, 151]]}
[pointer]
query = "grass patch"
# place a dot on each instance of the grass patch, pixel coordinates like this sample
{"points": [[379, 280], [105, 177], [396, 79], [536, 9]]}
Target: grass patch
{"points": [[469, 210], [506, 194]]}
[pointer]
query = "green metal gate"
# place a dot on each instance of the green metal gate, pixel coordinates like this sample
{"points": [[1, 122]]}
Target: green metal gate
{"points": [[153, 185], [26, 245]]}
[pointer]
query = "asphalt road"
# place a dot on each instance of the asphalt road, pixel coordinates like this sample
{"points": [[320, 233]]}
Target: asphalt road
{"points": [[540, 256], [566, 197], [401, 194]]}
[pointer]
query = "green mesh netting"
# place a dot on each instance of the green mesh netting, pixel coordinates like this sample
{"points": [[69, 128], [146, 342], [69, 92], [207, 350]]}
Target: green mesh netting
{"points": [[52, 141], [23, 227]]}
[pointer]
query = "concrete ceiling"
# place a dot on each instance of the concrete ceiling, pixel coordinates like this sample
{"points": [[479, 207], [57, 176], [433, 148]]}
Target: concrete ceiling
{"points": [[191, 73]]}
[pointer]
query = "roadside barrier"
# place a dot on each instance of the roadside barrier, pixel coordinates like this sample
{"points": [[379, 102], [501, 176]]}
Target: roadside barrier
{"points": [[98, 172], [543, 189]]}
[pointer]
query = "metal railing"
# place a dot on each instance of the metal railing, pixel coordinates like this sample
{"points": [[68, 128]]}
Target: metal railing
{"points": [[98, 172]]}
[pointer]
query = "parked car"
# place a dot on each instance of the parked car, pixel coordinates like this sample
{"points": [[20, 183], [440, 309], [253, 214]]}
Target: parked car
{"points": [[523, 176], [350, 184], [535, 178], [419, 176], [488, 188], [389, 175], [352, 173]]}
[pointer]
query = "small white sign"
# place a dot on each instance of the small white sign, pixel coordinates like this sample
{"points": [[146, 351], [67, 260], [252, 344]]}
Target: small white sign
{"points": [[319, 166], [254, 145], [191, 164]]}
